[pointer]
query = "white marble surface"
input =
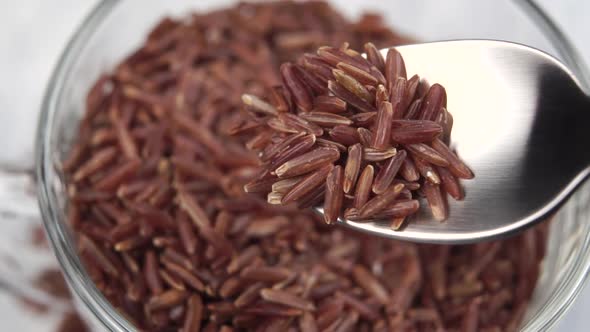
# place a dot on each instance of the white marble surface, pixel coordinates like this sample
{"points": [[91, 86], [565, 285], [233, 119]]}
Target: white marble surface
{"points": [[33, 33]]}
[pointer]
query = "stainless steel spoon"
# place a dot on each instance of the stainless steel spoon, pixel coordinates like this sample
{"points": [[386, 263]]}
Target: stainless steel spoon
{"points": [[521, 122]]}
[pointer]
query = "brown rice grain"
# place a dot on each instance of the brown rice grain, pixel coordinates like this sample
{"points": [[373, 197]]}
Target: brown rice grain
{"points": [[265, 273], [450, 184], [370, 284], [427, 171], [358, 74], [366, 136], [329, 104], [194, 314], [374, 56], [352, 85], [388, 172], [334, 195], [413, 110], [363, 187], [165, 300], [397, 94], [298, 148], [185, 275], [433, 102], [334, 56], [330, 144], [307, 185], [380, 202], [426, 153], [456, 166], [381, 138], [299, 92], [350, 98], [370, 154], [397, 223], [307, 162], [249, 295], [352, 168], [286, 298], [345, 135], [258, 105], [394, 66], [315, 84], [308, 323], [414, 131], [99, 160], [326, 119], [436, 201]]}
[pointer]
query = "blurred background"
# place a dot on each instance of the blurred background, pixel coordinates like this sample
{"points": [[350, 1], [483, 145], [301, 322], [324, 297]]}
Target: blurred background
{"points": [[32, 34]]}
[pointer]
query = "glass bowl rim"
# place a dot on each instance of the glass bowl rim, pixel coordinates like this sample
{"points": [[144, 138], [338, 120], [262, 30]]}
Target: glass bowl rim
{"points": [[559, 302]]}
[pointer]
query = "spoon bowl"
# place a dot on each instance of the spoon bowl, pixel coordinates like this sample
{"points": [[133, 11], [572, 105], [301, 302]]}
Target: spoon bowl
{"points": [[520, 123]]}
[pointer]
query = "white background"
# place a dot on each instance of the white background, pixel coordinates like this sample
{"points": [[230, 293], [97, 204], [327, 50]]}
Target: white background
{"points": [[33, 33]]}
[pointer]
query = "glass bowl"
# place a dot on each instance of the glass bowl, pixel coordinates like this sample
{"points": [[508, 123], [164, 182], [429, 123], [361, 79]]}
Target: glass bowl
{"points": [[115, 28]]}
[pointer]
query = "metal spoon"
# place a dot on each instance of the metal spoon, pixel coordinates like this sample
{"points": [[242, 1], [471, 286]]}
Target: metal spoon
{"points": [[521, 122]]}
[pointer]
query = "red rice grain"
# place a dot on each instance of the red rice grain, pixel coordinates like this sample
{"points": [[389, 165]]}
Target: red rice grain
{"points": [[436, 200], [334, 195], [308, 184], [352, 167], [381, 139], [363, 187], [388, 172], [307, 162]]}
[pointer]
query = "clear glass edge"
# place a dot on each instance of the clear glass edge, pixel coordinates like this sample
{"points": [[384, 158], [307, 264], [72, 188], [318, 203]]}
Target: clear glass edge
{"points": [[561, 300], [563, 297], [65, 253]]}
